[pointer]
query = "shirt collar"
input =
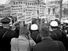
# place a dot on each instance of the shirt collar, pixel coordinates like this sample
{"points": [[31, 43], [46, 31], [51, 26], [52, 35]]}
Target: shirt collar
{"points": [[22, 37], [47, 38]]}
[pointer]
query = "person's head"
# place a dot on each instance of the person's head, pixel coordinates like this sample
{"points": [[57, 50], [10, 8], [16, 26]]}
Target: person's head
{"points": [[65, 22], [5, 22], [44, 33], [54, 24], [34, 20], [23, 30], [58, 21], [34, 28]]}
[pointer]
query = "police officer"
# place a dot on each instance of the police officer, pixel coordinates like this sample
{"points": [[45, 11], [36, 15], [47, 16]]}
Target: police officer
{"points": [[5, 35]]}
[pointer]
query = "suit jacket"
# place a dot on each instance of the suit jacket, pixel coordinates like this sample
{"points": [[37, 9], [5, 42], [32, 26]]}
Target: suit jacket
{"points": [[5, 38], [49, 45]]}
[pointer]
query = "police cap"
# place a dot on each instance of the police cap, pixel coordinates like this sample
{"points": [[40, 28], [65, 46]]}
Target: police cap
{"points": [[5, 20]]}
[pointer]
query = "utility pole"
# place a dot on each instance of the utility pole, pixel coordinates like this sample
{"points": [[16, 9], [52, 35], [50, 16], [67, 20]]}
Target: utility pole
{"points": [[38, 9], [60, 9], [40, 25]]}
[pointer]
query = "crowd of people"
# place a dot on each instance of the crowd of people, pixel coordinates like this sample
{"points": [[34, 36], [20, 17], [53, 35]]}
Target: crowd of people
{"points": [[33, 37]]}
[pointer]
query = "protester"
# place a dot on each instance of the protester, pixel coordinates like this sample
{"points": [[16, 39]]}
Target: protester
{"points": [[47, 43], [56, 33], [24, 42], [65, 33], [34, 30]]}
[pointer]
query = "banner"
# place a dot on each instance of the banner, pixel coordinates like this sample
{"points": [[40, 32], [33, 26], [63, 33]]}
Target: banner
{"points": [[28, 17], [28, 20], [21, 17], [5, 10], [24, 10], [18, 9]]}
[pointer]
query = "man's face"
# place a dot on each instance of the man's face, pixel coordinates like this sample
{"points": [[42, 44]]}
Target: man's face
{"points": [[5, 25]]}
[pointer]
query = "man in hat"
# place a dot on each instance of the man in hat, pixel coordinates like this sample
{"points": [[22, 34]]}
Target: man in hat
{"points": [[34, 30], [5, 35], [56, 33], [5, 22]]}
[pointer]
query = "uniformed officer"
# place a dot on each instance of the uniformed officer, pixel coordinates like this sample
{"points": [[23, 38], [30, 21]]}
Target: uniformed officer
{"points": [[5, 35]]}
